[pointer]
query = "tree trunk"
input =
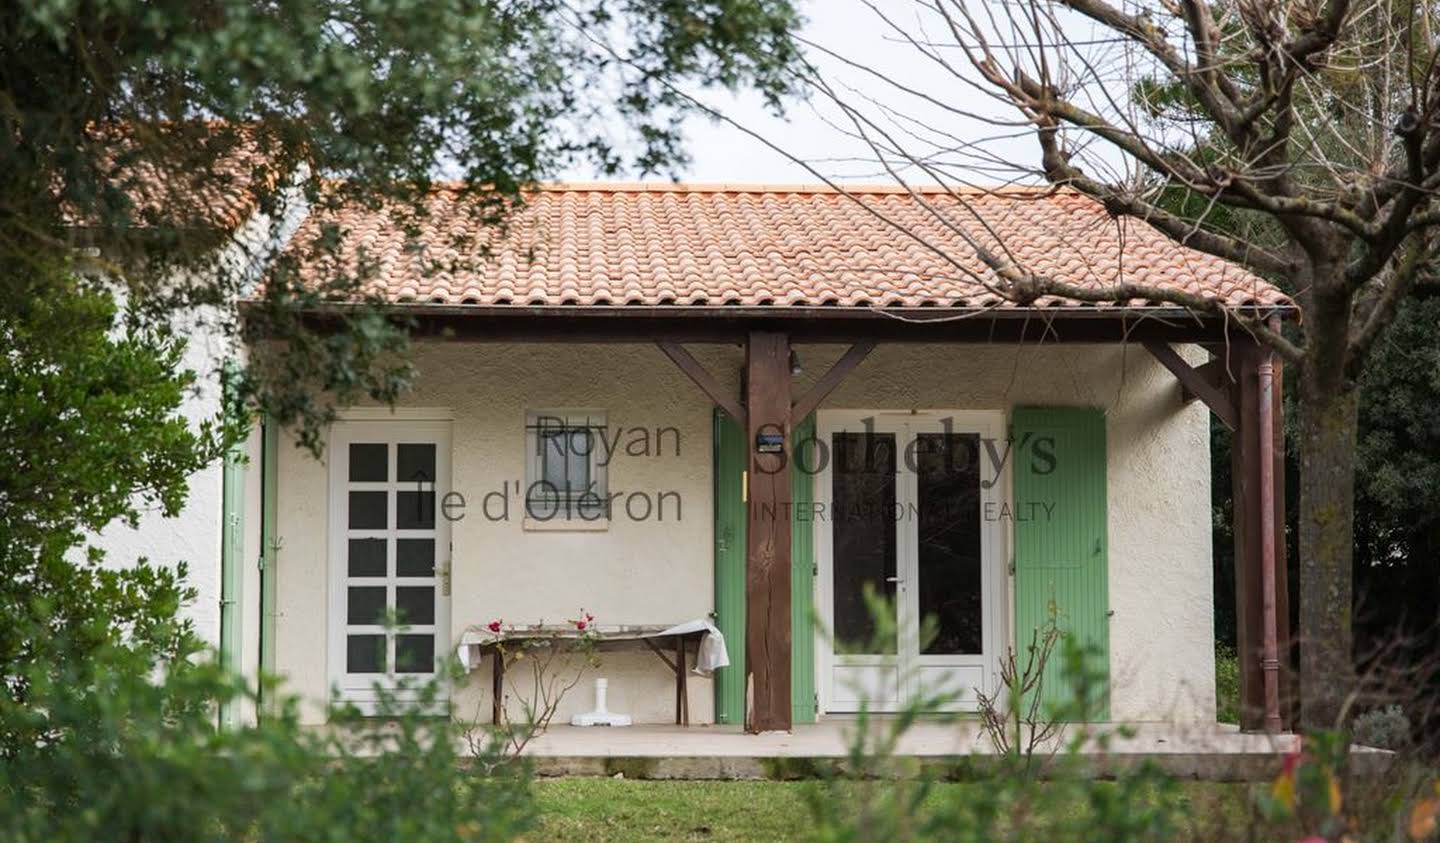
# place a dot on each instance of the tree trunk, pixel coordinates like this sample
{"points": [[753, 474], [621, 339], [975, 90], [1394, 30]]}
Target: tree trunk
{"points": [[1328, 424]]}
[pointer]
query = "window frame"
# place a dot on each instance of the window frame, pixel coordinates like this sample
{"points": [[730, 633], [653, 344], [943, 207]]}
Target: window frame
{"points": [[393, 429], [568, 514]]}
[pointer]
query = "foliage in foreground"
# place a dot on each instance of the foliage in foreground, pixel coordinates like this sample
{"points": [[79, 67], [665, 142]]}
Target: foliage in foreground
{"points": [[144, 134], [1040, 783], [126, 756], [91, 415], [123, 745]]}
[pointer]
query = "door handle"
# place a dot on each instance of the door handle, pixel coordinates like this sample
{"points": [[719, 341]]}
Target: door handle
{"points": [[893, 579]]}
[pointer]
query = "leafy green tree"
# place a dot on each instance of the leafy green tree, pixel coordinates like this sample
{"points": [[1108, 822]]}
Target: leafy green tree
{"points": [[146, 133], [156, 155], [91, 417]]}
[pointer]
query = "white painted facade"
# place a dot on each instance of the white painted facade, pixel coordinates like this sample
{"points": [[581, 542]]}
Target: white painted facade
{"points": [[648, 570], [193, 535]]}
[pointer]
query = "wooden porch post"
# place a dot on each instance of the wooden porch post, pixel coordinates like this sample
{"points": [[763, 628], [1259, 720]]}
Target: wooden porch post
{"points": [[1250, 576], [767, 561]]}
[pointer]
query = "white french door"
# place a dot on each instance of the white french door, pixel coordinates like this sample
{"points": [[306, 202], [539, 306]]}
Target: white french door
{"points": [[389, 554], [908, 514]]}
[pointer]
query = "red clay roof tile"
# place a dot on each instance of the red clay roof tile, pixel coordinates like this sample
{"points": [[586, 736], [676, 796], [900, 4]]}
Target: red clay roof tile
{"points": [[764, 246]]}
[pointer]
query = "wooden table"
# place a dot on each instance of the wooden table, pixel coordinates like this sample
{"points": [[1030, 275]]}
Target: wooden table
{"points": [[606, 639]]}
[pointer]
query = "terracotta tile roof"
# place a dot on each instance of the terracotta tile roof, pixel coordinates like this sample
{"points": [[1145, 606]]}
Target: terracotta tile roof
{"points": [[759, 246], [166, 184]]}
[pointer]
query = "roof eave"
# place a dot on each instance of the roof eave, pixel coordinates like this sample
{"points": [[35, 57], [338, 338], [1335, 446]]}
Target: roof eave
{"points": [[791, 312]]}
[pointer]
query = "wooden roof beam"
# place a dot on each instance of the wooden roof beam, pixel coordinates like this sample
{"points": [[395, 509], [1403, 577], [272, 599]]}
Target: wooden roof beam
{"points": [[807, 403], [1194, 382], [702, 378]]}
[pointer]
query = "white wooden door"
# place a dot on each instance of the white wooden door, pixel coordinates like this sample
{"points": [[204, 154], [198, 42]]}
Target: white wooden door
{"points": [[389, 555], [910, 519]]}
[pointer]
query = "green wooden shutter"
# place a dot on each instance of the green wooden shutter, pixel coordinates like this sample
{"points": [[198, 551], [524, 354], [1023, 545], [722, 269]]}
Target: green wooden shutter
{"points": [[802, 573], [1061, 544], [232, 554], [729, 471], [730, 458]]}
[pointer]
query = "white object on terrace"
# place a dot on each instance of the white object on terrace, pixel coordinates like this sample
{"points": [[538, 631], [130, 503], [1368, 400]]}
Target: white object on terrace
{"points": [[601, 716]]}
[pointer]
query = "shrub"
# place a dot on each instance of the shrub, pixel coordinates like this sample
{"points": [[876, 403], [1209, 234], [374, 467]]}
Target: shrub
{"points": [[1039, 787], [1383, 728], [128, 756], [1227, 685]]}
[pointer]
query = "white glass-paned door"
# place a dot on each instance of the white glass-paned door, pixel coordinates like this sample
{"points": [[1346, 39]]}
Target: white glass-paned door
{"points": [[904, 532], [389, 554]]}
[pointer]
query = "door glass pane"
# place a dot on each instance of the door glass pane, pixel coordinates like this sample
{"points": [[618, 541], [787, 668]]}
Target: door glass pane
{"points": [[415, 604], [414, 653], [367, 557], [415, 463], [364, 654], [367, 511], [863, 513], [368, 462], [947, 474], [415, 510], [415, 558], [365, 605]]}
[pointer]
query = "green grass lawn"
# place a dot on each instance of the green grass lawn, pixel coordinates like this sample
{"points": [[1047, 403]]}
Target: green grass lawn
{"points": [[611, 809], [597, 810]]}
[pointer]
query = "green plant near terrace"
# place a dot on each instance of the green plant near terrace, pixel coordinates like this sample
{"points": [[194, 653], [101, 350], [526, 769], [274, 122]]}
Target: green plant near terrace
{"points": [[1032, 791], [126, 757], [1040, 783]]}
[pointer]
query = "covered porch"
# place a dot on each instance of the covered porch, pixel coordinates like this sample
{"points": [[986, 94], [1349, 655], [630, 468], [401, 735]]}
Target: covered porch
{"points": [[761, 321], [767, 402]]}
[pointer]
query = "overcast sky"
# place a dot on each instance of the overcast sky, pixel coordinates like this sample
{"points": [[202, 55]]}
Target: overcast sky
{"points": [[816, 130]]}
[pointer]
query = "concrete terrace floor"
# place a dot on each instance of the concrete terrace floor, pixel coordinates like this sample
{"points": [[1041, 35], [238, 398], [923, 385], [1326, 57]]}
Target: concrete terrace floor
{"points": [[1194, 750]]}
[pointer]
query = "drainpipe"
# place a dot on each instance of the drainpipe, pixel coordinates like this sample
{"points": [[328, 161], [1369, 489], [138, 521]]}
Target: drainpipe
{"points": [[269, 486], [232, 549], [1270, 655]]}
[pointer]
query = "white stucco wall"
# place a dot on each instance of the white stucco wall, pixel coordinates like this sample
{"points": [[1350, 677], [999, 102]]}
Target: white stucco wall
{"points": [[648, 571], [634, 572], [192, 535]]}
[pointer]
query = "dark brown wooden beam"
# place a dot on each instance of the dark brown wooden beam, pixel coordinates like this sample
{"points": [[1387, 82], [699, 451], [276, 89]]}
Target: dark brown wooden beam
{"points": [[1289, 677], [703, 379], [834, 325], [1246, 498], [1194, 382], [1215, 373], [1244, 480], [807, 403], [767, 560]]}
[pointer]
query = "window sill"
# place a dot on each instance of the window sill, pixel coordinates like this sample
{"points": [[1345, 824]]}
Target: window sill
{"points": [[565, 525]]}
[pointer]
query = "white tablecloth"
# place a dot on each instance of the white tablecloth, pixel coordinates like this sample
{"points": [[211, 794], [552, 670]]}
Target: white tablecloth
{"points": [[711, 656]]}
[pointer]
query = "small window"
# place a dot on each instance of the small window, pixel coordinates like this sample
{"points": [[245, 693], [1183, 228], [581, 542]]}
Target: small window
{"points": [[565, 466]]}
